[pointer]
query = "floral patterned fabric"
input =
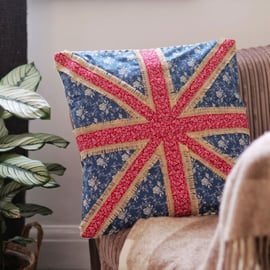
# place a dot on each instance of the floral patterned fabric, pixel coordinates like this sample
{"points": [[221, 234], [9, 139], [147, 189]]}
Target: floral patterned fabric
{"points": [[158, 130]]}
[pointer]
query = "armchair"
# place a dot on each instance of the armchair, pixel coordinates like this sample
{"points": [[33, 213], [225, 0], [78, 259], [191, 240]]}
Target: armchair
{"points": [[254, 81]]}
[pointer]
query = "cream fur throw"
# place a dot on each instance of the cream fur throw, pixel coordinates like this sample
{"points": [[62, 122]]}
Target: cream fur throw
{"points": [[238, 240]]}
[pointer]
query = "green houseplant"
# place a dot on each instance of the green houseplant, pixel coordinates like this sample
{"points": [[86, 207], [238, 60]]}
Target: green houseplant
{"points": [[18, 98]]}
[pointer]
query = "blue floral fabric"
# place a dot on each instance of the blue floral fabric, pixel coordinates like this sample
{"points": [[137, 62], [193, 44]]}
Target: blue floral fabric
{"points": [[148, 201], [111, 96]]}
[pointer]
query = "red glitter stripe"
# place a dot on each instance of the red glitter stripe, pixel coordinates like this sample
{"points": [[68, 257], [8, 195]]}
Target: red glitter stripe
{"points": [[105, 85], [120, 189], [157, 83], [198, 82], [180, 194]]}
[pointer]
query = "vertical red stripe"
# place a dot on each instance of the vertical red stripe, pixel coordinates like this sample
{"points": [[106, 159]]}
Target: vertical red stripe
{"points": [[157, 83], [180, 194]]}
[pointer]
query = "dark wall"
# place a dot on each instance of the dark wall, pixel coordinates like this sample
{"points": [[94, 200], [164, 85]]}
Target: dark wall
{"points": [[13, 38], [13, 52]]}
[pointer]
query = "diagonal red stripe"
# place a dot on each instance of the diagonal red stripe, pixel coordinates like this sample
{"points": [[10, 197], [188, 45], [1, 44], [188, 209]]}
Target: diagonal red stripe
{"points": [[121, 188], [106, 85], [198, 82], [157, 83], [205, 154], [182, 206]]}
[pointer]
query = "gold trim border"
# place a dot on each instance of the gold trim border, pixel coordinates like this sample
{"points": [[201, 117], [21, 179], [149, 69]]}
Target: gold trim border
{"points": [[189, 179], [113, 147], [108, 125], [213, 110], [166, 179]]}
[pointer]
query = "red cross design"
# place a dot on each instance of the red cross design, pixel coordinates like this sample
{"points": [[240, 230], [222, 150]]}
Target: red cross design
{"points": [[164, 125]]}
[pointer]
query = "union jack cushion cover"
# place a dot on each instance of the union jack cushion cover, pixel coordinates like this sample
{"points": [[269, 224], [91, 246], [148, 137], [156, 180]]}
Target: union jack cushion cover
{"points": [[158, 130]]}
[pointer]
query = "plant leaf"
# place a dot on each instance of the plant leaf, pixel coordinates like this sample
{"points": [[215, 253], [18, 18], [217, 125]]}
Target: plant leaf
{"points": [[9, 210], [23, 170], [21, 240], [3, 129], [4, 114], [30, 141], [12, 188], [51, 184], [25, 141], [25, 76], [28, 210], [55, 168], [23, 103], [52, 139]]}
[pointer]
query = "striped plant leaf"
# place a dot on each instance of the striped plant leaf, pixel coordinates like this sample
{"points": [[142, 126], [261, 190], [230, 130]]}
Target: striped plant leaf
{"points": [[9, 210], [25, 76], [4, 114], [28, 210], [23, 170], [51, 184], [23, 103], [3, 129], [52, 139], [12, 188], [25, 141], [55, 168], [21, 240], [30, 141]]}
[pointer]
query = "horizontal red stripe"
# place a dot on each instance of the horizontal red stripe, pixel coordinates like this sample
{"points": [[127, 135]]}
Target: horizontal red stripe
{"points": [[172, 128], [214, 121]]}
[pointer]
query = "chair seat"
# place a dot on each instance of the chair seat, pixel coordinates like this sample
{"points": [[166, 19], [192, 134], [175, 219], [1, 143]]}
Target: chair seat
{"points": [[168, 243], [109, 248], [161, 238]]}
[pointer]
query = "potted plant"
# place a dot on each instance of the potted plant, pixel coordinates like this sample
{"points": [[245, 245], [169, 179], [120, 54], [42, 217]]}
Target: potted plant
{"points": [[18, 98]]}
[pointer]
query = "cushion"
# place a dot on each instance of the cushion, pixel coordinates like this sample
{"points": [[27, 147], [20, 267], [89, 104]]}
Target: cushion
{"points": [[158, 130]]}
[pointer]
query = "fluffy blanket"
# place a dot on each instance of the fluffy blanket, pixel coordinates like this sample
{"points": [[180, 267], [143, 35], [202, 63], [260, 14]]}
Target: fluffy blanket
{"points": [[237, 240]]}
